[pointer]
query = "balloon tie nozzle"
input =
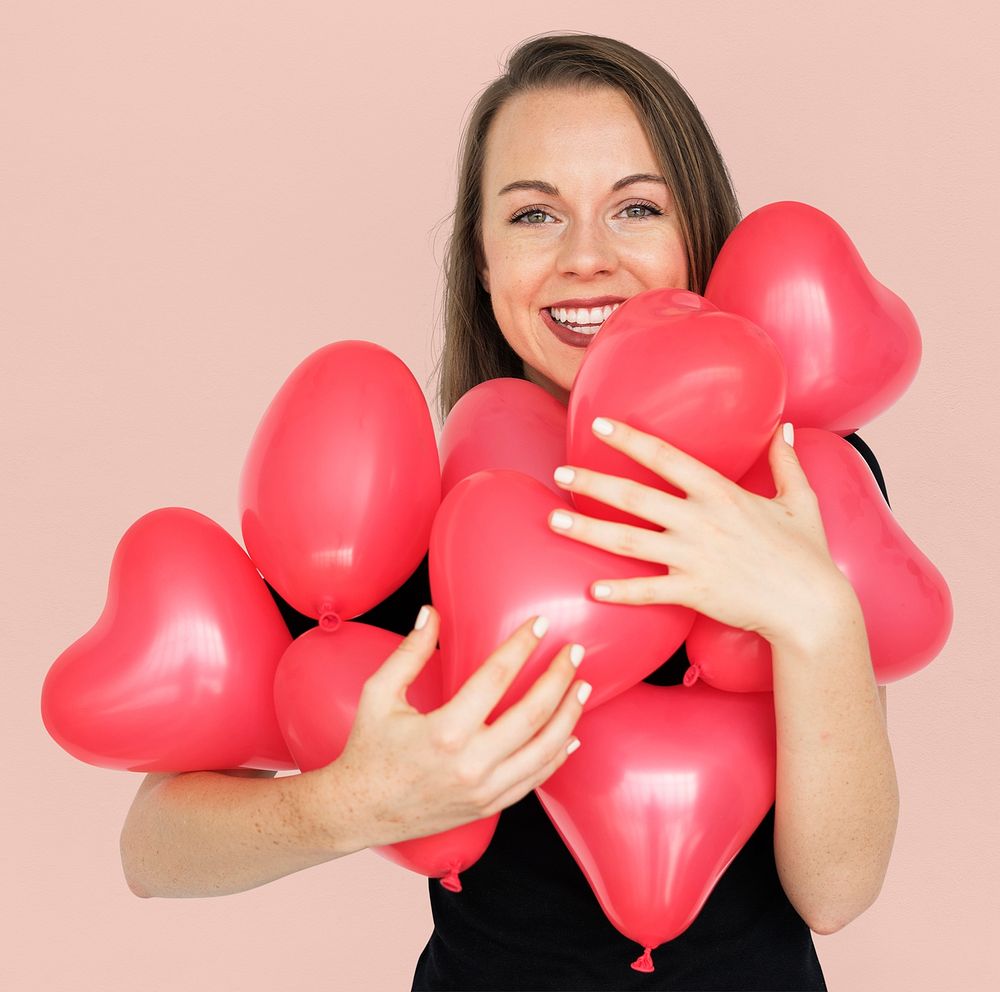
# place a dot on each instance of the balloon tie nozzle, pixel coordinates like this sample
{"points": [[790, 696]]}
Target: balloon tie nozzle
{"points": [[451, 881], [329, 619], [645, 961], [692, 675]]}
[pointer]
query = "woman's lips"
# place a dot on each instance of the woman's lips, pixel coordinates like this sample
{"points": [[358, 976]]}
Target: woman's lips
{"points": [[567, 336]]}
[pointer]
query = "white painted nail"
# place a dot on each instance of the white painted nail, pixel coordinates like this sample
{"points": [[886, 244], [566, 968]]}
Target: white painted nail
{"points": [[539, 627], [564, 474], [422, 617], [573, 745], [561, 520], [789, 433], [583, 693], [576, 653], [602, 426]]}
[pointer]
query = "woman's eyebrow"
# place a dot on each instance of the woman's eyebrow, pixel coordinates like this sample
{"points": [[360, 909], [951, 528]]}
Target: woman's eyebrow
{"points": [[549, 190]]}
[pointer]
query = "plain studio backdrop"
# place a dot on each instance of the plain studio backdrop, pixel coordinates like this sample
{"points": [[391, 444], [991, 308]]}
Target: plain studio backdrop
{"points": [[195, 196]]}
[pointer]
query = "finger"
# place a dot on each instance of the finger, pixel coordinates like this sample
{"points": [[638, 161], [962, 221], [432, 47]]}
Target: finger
{"points": [[394, 676], [657, 454], [546, 744], [786, 469], [620, 539], [526, 718], [640, 500], [643, 590], [468, 709], [518, 791]]}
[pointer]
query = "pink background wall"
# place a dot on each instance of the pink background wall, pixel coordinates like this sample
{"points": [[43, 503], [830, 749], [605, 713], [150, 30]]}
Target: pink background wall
{"points": [[198, 195]]}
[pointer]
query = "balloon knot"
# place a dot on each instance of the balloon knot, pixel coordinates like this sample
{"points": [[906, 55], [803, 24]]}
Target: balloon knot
{"points": [[451, 881], [329, 619], [692, 675], [645, 961]]}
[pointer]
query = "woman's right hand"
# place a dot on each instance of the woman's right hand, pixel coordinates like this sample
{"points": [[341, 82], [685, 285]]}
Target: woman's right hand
{"points": [[413, 774]]}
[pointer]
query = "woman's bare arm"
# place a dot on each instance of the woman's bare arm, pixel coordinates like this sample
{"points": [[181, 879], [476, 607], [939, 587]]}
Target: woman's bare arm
{"points": [[837, 798], [213, 833], [401, 774]]}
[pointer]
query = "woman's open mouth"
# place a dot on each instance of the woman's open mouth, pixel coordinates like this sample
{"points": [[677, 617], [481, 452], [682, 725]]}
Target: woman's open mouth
{"points": [[577, 327]]}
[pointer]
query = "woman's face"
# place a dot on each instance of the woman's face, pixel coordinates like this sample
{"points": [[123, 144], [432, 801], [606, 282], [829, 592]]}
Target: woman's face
{"points": [[567, 226]]}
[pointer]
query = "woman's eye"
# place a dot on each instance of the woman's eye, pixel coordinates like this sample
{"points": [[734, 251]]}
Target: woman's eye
{"points": [[653, 211], [530, 212]]}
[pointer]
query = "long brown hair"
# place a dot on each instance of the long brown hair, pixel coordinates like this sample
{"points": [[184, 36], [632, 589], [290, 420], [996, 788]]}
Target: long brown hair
{"points": [[474, 347]]}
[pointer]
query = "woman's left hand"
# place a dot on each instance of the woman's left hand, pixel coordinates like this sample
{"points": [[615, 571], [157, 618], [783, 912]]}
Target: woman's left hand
{"points": [[749, 562]]}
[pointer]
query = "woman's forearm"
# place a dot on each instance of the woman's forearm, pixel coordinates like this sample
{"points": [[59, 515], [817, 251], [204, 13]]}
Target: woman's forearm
{"points": [[837, 799], [212, 833]]}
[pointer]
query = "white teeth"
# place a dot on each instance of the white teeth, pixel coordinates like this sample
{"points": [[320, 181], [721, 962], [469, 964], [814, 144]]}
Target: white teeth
{"points": [[583, 317]]}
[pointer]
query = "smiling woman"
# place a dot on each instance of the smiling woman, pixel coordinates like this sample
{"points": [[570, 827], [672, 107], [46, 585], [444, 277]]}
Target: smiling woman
{"points": [[588, 176]]}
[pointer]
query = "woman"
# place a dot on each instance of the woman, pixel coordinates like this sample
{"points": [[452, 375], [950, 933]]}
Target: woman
{"points": [[587, 176]]}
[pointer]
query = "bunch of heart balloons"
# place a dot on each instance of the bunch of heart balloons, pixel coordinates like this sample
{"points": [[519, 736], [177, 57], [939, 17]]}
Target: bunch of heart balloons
{"points": [[343, 492]]}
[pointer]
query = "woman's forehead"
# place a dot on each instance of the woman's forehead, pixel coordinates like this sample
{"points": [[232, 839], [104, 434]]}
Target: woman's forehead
{"points": [[568, 135]]}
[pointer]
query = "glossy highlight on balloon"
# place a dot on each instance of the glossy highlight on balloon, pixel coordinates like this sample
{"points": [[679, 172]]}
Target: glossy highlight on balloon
{"points": [[666, 789], [494, 562], [177, 673], [504, 423], [669, 363], [341, 482], [850, 345]]}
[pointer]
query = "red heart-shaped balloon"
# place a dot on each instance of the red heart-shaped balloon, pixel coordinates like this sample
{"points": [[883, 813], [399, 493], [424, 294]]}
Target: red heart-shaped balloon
{"points": [[668, 363], [316, 693], [850, 345], [504, 423], [342, 481], [494, 563], [177, 673], [905, 600], [668, 785]]}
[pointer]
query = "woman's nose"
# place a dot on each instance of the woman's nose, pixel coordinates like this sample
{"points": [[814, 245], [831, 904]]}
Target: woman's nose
{"points": [[587, 249]]}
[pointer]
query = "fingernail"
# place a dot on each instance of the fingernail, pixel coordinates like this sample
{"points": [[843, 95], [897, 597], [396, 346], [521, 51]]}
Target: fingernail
{"points": [[583, 693], [602, 426], [573, 745], [422, 618], [563, 521], [789, 433], [576, 653], [564, 474], [539, 627], [601, 591]]}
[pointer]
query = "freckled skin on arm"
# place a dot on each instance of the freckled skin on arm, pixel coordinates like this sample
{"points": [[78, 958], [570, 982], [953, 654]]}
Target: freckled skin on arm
{"points": [[213, 833], [837, 800]]}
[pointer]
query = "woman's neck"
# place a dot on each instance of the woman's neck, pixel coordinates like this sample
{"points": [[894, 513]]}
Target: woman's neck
{"points": [[552, 388]]}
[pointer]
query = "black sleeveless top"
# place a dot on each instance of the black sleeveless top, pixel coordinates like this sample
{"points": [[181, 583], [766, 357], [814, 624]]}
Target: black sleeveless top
{"points": [[526, 917]]}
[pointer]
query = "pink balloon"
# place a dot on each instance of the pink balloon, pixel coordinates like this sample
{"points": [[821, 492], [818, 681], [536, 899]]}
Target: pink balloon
{"points": [[494, 562], [669, 363], [727, 658], [667, 787], [850, 345], [176, 675], [342, 481], [905, 600], [316, 693], [504, 423]]}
